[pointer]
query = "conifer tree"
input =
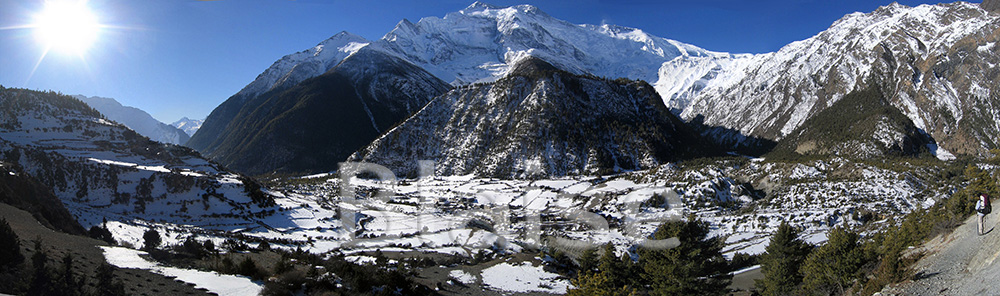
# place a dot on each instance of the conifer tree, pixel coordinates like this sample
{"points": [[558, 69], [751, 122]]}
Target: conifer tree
{"points": [[832, 268], [781, 262], [41, 282], [107, 284], [610, 275], [151, 239], [10, 245], [588, 260], [695, 267]]}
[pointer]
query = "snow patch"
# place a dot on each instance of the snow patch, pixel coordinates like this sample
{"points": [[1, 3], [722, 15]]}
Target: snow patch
{"points": [[221, 284], [523, 278], [462, 277]]}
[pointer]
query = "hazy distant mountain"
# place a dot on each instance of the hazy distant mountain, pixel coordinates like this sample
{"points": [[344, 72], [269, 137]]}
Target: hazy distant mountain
{"points": [[189, 126], [136, 119], [538, 121]]}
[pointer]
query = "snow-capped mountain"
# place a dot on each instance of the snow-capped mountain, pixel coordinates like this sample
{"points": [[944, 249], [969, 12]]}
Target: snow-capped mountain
{"points": [[319, 122], [538, 121], [936, 63], [283, 74], [480, 42], [933, 61], [136, 119], [476, 44], [189, 126], [294, 68]]}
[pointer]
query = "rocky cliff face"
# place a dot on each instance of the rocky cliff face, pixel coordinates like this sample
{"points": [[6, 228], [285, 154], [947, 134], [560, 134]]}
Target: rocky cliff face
{"points": [[990, 5], [538, 121]]}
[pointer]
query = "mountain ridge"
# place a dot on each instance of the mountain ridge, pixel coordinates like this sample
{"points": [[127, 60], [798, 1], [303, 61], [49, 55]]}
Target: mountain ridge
{"points": [[136, 119], [284, 73], [917, 52]]}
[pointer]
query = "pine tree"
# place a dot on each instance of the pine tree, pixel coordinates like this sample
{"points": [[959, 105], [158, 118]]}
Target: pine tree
{"points": [[781, 262], [980, 182], [41, 282], [151, 239], [588, 260], [68, 284], [248, 267], [832, 268], [10, 246], [695, 267], [610, 275], [107, 284]]}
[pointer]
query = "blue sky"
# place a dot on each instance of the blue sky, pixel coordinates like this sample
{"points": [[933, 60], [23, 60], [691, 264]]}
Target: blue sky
{"points": [[182, 58]]}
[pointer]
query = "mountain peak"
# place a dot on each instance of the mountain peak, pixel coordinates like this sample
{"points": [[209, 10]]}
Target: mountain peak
{"points": [[479, 6], [530, 65], [345, 35]]}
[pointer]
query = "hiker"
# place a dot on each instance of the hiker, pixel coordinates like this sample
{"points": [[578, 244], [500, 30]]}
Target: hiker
{"points": [[983, 207]]}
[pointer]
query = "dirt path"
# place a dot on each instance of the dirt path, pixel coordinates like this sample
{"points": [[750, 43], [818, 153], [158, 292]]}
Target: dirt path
{"points": [[960, 263]]}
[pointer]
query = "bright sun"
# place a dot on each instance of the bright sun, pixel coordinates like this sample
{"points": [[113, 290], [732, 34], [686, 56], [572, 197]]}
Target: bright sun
{"points": [[66, 26]]}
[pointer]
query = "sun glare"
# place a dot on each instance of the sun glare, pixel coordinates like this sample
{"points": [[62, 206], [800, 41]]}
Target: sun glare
{"points": [[66, 26]]}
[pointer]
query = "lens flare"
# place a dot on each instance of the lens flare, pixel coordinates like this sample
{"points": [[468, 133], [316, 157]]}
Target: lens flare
{"points": [[66, 27]]}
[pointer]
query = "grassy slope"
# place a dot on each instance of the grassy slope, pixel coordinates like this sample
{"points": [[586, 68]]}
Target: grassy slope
{"points": [[87, 256]]}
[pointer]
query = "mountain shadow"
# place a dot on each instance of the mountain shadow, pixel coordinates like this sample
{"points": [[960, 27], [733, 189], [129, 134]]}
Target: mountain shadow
{"points": [[317, 123], [731, 140]]}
